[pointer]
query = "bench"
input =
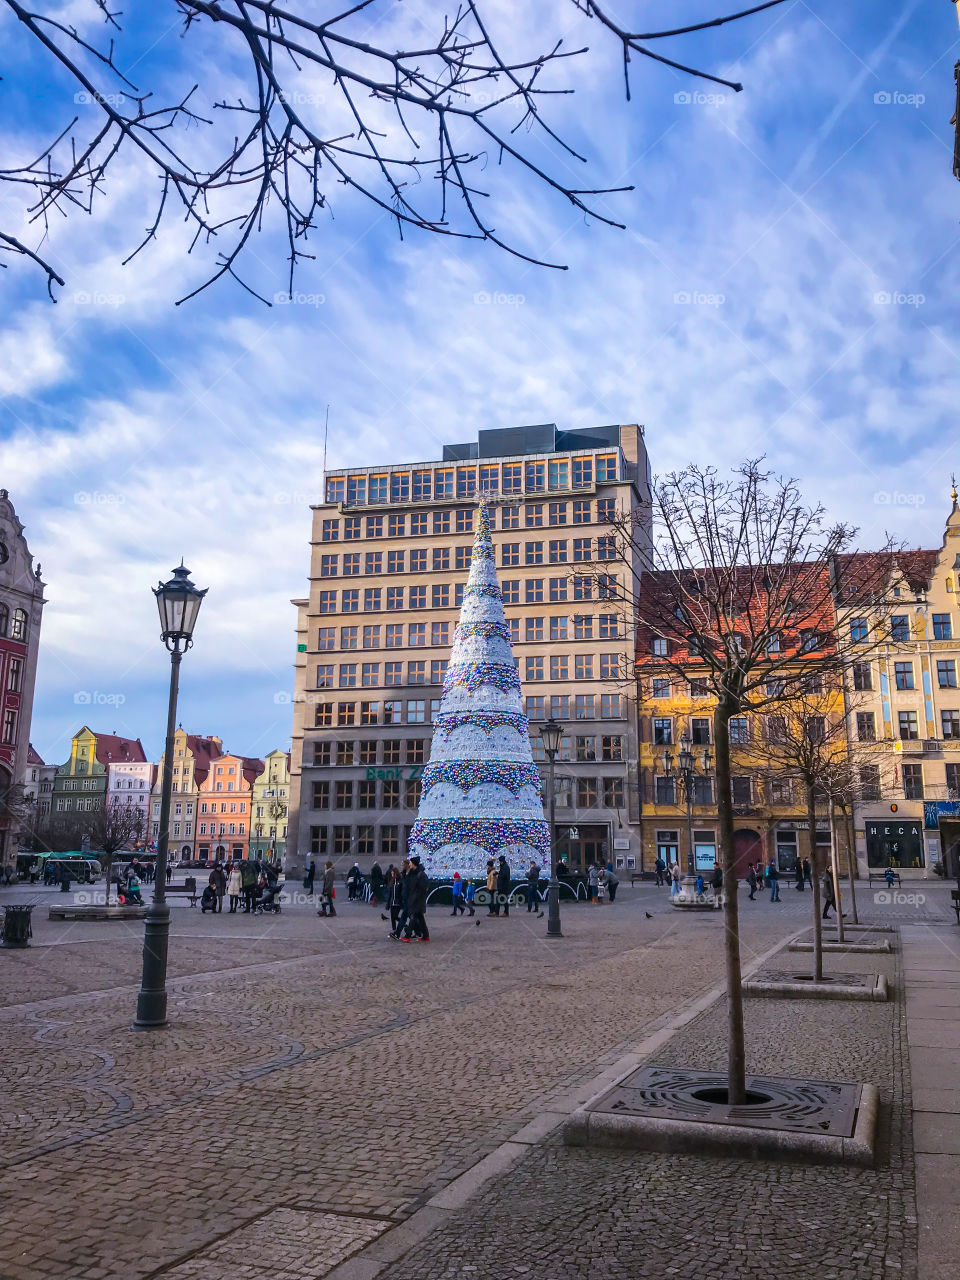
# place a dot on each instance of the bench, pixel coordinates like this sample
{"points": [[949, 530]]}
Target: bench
{"points": [[189, 887], [77, 912], [880, 877]]}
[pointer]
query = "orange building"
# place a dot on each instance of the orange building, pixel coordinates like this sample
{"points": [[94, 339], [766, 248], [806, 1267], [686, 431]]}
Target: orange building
{"points": [[224, 807]]}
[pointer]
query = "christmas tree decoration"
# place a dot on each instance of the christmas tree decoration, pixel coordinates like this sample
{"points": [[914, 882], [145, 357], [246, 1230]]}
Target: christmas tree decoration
{"points": [[481, 790]]}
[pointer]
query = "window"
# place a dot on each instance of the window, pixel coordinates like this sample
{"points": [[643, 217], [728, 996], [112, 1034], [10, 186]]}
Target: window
{"points": [[953, 781], [907, 724], [740, 791], [395, 561], [442, 485], [351, 564], [9, 724], [351, 528], [582, 587], [583, 666], [391, 751], [586, 749], [441, 523], [328, 601], [607, 586], [346, 712], [440, 633], [535, 477], [582, 549], [416, 712], [739, 729], [325, 676], [535, 709], [465, 520], [534, 669], [700, 731], [510, 554], [858, 629], [560, 706], [416, 750], [329, 566], [422, 485], [512, 478], [392, 673], [866, 727], [348, 637], [466, 482], [950, 724], [533, 632], [458, 591], [336, 489], [913, 782], [773, 644], [809, 640], [368, 751], [610, 706], [611, 747], [899, 627], [370, 674], [510, 518], [321, 795], [607, 548], [606, 469], [664, 789], [558, 628], [946, 673], [558, 551], [341, 841], [345, 751], [609, 666], [463, 557], [816, 729], [323, 715], [581, 511], [349, 601], [584, 706], [416, 672], [702, 789], [533, 516], [606, 510], [533, 553], [587, 793], [489, 479], [343, 795], [390, 796], [582, 473], [418, 598], [870, 782], [411, 793], [418, 523], [862, 676], [371, 637], [613, 793], [941, 627], [558, 512], [321, 755], [366, 795], [375, 525], [558, 472], [662, 731], [400, 487], [394, 635], [534, 591], [510, 591], [330, 531], [440, 595], [372, 597], [514, 626], [325, 638], [559, 667], [903, 674], [558, 590]]}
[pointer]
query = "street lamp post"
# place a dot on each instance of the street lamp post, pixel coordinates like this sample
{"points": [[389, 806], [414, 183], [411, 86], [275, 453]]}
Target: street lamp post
{"points": [[686, 764], [551, 732], [179, 603]]}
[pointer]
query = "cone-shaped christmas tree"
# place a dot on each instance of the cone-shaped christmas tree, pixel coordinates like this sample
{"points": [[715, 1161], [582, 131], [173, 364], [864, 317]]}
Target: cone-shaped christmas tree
{"points": [[481, 789]]}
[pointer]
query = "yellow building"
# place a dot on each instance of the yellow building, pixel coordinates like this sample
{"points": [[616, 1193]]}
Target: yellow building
{"points": [[192, 755]]}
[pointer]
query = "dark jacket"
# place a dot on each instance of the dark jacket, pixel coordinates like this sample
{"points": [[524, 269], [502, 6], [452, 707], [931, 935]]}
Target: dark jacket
{"points": [[248, 874], [533, 875], [219, 880], [308, 878], [503, 878], [419, 888], [328, 877]]}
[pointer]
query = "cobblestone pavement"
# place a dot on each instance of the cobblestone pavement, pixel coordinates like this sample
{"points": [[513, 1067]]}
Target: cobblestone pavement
{"points": [[316, 1066]]}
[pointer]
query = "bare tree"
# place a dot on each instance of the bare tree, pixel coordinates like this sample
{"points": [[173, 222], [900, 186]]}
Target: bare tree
{"points": [[751, 590], [329, 99], [112, 828]]}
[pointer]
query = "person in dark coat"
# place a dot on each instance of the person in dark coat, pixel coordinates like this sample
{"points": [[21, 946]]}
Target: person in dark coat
{"points": [[309, 877], [798, 875], [419, 887], [376, 883], [219, 878], [248, 878], [752, 882], [806, 872], [533, 887], [326, 907], [395, 898], [773, 880], [503, 883]]}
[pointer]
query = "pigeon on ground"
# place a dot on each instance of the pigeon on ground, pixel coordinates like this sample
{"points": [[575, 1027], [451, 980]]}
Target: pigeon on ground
{"points": [[648, 915], [478, 924], [383, 917]]}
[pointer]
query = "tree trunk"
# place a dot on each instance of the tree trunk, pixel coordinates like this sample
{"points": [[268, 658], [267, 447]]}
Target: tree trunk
{"points": [[109, 858], [736, 1054], [852, 865], [815, 867]]}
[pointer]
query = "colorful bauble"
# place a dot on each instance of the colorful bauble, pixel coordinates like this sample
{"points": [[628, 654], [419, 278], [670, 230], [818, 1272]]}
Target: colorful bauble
{"points": [[486, 720], [465, 774], [472, 675], [493, 835]]}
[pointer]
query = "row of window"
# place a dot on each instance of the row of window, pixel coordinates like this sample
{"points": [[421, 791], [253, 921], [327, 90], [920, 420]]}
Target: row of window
{"points": [[437, 483], [13, 626], [536, 515], [903, 674], [371, 751], [14, 680], [224, 828], [396, 793], [582, 706], [908, 727], [536, 630], [442, 595], [444, 559], [367, 675]]}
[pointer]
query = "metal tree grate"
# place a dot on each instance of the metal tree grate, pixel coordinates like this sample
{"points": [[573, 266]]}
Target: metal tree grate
{"points": [[671, 1093]]}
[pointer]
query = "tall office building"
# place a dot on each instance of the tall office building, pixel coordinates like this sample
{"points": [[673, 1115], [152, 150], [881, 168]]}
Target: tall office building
{"points": [[390, 554]]}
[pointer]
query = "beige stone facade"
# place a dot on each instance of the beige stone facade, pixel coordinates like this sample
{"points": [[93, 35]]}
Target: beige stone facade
{"points": [[390, 553]]}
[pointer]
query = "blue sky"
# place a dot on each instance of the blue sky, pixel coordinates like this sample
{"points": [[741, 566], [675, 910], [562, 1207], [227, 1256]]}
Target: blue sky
{"points": [[811, 221]]}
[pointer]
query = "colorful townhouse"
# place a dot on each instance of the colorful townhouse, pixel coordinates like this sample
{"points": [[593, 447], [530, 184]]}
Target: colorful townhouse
{"points": [[193, 755], [225, 800], [271, 799]]}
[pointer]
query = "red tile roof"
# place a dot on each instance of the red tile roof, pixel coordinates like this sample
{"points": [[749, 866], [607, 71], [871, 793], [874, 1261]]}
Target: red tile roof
{"points": [[204, 750], [32, 757], [115, 750]]}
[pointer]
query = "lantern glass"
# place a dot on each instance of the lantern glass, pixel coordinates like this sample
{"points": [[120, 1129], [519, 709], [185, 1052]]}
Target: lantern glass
{"points": [[178, 602], [550, 734]]}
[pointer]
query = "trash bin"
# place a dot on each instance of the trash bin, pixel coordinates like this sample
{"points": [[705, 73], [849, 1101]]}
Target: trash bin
{"points": [[16, 925]]}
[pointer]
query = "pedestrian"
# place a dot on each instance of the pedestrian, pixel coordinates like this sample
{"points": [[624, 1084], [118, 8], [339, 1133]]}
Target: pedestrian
{"points": [[248, 880], [169, 873], [235, 887], [503, 884], [699, 884], [613, 882], [798, 873], [212, 884], [660, 867], [220, 883], [353, 882], [492, 889], [806, 872], [395, 897], [752, 882], [208, 899], [675, 880], [34, 871], [469, 894], [888, 876], [327, 892], [716, 883], [376, 883], [403, 915], [829, 897], [593, 877], [601, 887], [773, 880], [456, 889], [533, 887], [309, 878], [419, 888]]}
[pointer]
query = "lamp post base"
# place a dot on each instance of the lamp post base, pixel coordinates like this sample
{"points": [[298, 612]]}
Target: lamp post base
{"points": [[152, 998]]}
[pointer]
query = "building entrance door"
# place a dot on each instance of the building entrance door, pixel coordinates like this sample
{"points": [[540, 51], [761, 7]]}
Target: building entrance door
{"points": [[580, 844], [747, 850]]}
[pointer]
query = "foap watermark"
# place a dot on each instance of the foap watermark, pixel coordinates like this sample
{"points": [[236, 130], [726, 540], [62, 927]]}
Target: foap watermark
{"points": [[295, 98], [84, 99], [894, 898], [83, 298], [291, 498], [283, 698], [686, 298], [485, 299], [298, 299], [97, 498], [696, 98], [898, 299], [894, 498], [896, 98], [96, 698]]}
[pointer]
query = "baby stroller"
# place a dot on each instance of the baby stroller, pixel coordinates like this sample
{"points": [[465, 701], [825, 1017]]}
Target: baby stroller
{"points": [[267, 898]]}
